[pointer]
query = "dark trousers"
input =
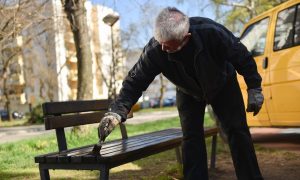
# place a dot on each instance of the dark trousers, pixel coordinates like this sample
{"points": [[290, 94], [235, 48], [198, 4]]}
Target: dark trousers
{"points": [[229, 108]]}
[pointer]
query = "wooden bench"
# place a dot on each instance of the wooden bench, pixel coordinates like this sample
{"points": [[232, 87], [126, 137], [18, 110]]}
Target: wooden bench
{"points": [[59, 115]]}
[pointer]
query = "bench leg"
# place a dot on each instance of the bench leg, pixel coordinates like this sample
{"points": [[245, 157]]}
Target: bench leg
{"points": [[104, 173], [213, 152], [178, 155], [44, 174]]}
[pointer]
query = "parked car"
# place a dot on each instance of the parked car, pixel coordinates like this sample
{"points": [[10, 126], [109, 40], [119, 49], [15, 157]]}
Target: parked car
{"points": [[17, 115], [154, 102], [273, 38], [4, 115], [168, 101]]}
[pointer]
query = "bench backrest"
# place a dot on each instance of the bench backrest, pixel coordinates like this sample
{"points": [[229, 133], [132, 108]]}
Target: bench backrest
{"points": [[59, 115]]}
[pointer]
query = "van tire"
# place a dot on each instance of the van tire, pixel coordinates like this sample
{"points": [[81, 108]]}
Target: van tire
{"points": [[214, 117]]}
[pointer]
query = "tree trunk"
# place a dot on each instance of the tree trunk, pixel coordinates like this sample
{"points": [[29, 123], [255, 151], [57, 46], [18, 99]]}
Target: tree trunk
{"points": [[6, 95], [162, 90], [76, 14]]}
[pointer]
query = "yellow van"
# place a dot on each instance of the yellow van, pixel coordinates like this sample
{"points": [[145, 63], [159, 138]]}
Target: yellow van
{"points": [[273, 38]]}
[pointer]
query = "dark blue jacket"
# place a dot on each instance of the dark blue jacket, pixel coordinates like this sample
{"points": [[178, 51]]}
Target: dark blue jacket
{"points": [[218, 54]]}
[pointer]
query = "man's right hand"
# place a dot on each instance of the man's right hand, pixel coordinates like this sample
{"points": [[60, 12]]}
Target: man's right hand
{"points": [[107, 124], [255, 100]]}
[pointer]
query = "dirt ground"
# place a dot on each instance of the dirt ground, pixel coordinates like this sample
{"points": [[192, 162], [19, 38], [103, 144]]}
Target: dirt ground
{"points": [[278, 154], [274, 165]]}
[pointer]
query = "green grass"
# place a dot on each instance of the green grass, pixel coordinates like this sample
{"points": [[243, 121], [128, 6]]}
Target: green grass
{"points": [[17, 159], [172, 108]]}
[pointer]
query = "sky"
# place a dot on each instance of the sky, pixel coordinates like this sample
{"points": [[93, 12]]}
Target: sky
{"points": [[132, 12]]}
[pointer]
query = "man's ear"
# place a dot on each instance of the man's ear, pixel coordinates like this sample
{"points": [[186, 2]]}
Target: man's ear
{"points": [[188, 35]]}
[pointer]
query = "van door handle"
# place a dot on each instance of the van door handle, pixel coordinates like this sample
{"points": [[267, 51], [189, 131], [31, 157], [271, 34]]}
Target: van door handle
{"points": [[265, 63]]}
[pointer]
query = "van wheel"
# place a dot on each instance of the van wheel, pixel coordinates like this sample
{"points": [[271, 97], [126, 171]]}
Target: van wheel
{"points": [[214, 117]]}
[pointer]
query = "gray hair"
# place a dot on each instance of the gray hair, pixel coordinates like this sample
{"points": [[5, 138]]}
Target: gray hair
{"points": [[171, 24]]}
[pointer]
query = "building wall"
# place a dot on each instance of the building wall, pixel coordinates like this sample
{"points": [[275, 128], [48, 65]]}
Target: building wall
{"points": [[60, 52], [101, 48]]}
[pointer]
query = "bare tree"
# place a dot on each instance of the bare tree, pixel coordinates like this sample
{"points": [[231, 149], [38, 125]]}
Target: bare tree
{"points": [[147, 10], [45, 67], [16, 17]]}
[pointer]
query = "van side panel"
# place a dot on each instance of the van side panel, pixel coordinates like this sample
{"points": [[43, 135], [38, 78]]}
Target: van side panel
{"points": [[284, 65], [285, 89]]}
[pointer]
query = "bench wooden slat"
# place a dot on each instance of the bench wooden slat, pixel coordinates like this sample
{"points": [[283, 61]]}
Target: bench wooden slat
{"points": [[116, 150], [142, 146], [55, 122], [57, 108], [139, 145], [111, 146], [128, 144], [40, 158], [138, 138], [85, 156], [210, 131], [138, 152]]}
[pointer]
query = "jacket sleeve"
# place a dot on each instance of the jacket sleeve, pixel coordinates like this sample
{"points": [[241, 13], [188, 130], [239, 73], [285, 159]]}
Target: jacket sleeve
{"points": [[238, 55], [137, 80]]}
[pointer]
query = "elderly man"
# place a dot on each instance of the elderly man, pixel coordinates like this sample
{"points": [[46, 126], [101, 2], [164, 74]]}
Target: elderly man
{"points": [[201, 58]]}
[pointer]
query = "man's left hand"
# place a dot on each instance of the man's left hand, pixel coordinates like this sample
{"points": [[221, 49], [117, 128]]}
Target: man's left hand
{"points": [[255, 100]]}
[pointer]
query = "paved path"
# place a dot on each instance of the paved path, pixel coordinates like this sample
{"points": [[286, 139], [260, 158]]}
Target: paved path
{"points": [[12, 134], [282, 138]]}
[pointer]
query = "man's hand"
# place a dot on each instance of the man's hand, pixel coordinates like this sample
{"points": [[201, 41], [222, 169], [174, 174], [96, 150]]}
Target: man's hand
{"points": [[107, 124], [255, 100]]}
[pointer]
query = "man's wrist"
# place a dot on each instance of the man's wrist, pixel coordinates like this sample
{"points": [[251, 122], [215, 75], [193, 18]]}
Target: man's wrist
{"points": [[259, 89], [117, 116]]}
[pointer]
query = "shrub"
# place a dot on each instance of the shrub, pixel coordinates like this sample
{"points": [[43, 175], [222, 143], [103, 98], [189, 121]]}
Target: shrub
{"points": [[36, 115]]}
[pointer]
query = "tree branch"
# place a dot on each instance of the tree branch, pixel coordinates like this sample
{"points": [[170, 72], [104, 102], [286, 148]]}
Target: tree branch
{"points": [[236, 5]]}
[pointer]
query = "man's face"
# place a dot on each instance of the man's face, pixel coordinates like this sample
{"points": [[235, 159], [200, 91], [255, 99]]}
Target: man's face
{"points": [[173, 46]]}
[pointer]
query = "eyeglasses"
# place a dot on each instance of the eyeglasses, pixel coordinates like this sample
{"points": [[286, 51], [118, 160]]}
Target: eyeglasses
{"points": [[173, 46]]}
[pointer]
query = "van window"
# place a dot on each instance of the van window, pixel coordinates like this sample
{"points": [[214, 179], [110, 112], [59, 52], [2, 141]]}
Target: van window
{"points": [[254, 37], [284, 29], [297, 27]]}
